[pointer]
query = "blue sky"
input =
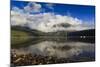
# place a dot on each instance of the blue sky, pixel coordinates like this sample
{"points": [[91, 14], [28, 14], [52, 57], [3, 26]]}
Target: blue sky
{"points": [[86, 13]]}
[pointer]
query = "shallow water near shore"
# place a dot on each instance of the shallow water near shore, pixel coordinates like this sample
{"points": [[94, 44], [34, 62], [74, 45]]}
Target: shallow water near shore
{"points": [[70, 51]]}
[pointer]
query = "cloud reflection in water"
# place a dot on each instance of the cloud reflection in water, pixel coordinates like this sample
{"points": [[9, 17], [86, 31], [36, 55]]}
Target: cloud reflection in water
{"points": [[57, 49]]}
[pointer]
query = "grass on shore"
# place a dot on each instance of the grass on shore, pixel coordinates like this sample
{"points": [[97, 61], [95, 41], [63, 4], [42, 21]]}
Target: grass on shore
{"points": [[18, 37]]}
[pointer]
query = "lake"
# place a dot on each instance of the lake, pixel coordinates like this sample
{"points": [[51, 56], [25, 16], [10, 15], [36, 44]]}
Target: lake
{"points": [[59, 48]]}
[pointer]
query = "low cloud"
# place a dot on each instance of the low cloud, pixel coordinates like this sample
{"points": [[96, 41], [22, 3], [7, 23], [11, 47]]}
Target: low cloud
{"points": [[46, 22]]}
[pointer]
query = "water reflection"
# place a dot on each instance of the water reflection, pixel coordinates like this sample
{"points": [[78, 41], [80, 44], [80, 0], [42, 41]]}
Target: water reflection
{"points": [[59, 49]]}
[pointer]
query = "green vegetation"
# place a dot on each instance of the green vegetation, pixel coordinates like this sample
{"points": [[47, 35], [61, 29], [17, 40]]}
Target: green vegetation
{"points": [[23, 36], [19, 37]]}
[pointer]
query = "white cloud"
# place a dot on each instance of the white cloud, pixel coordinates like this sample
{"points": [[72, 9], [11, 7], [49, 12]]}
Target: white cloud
{"points": [[46, 22], [33, 7], [16, 9], [18, 18], [50, 6]]}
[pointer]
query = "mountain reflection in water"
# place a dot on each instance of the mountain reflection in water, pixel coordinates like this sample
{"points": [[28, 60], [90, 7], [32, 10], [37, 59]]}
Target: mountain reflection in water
{"points": [[60, 49]]}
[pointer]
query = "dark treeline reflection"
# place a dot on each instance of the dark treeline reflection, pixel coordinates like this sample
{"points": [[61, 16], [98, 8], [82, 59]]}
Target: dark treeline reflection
{"points": [[52, 50], [35, 40]]}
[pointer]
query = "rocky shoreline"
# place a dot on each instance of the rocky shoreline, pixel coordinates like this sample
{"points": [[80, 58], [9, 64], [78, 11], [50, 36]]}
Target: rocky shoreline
{"points": [[29, 59]]}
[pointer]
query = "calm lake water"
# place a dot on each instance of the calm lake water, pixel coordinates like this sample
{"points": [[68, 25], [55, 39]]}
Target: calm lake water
{"points": [[59, 48]]}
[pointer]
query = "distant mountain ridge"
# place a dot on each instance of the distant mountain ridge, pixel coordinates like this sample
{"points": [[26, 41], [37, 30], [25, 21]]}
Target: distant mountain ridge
{"points": [[89, 32]]}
